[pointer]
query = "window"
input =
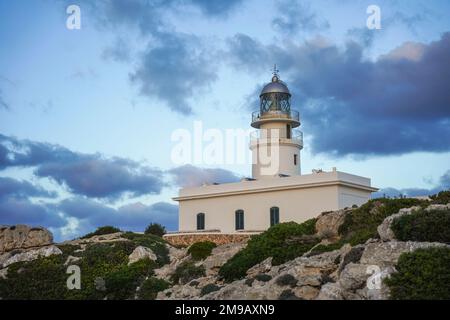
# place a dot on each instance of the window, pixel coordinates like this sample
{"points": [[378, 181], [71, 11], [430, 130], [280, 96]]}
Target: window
{"points": [[295, 159], [201, 221], [274, 216], [288, 131], [239, 219]]}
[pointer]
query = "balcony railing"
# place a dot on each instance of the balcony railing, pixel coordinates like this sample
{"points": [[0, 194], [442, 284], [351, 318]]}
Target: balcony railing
{"points": [[259, 135], [276, 114]]}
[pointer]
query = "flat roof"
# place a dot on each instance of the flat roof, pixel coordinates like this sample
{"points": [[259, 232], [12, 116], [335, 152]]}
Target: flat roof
{"points": [[268, 184]]}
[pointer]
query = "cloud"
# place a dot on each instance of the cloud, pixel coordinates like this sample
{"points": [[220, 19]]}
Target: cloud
{"points": [[397, 104], [191, 176], [442, 185], [10, 187], [175, 70], [295, 16], [216, 7], [132, 217], [3, 103], [91, 175]]}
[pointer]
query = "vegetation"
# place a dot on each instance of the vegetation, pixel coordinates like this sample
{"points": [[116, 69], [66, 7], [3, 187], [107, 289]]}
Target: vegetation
{"points": [[283, 242], [442, 197], [105, 272], [423, 225], [155, 229], [101, 231], [422, 275], [201, 250], [361, 224], [150, 288], [186, 272], [210, 287]]}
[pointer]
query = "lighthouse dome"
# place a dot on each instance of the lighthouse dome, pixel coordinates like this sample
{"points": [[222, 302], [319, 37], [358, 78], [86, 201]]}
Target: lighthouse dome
{"points": [[275, 86]]}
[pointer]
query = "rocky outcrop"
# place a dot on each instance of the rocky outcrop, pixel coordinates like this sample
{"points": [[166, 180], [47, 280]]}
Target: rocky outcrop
{"points": [[384, 229], [219, 256], [11, 257], [186, 239], [22, 237], [141, 253], [328, 223]]}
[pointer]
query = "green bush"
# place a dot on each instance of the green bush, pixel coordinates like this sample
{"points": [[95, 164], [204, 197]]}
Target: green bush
{"points": [[101, 231], [422, 275], [442, 197], [210, 287], [423, 226], [201, 250], [122, 284], [283, 242], [155, 229], [150, 288], [361, 224], [186, 272]]}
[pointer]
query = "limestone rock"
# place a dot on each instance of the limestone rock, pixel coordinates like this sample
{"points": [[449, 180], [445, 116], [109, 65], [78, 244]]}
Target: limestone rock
{"points": [[384, 229], [354, 276], [438, 207], [261, 267], [22, 236], [306, 292], [219, 256], [141, 253], [330, 291], [4, 273], [386, 254], [28, 255], [71, 259], [328, 223]]}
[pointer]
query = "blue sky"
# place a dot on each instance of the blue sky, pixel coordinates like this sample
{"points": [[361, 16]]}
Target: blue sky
{"points": [[86, 116]]}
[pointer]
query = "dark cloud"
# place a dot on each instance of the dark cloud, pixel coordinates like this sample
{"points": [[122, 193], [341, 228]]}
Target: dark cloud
{"points": [[175, 70], [215, 7], [17, 210], [296, 16], [397, 104], [191, 176], [442, 185], [10, 187], [133, 217], [86, 174]]}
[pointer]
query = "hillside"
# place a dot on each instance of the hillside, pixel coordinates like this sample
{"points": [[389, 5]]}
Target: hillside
{"points": [[385, 249]]}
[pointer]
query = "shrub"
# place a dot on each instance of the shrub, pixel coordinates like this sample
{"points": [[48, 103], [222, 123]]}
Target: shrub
{"points": [[288, 295], [201, 250], [150, 288], [442, 197], [122, 284], [361, 224], [101, 231], [210, 287], [423, 226], [283, 242], [155, 229], [186, 272], [263, 277], [286, 280], [422, 275]]}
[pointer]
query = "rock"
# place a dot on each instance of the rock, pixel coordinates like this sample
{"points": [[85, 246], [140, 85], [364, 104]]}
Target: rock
{"points": [[377, 290], [330, 291], [219, 256], [328, 223], [354, 276], [22, 237], [350, 254], [438, 207], [384, 229], [4, 273], [306, 292], [386, 254], [141, 253], [260, 268], [176, 254], [104, 238], [29, 255]]}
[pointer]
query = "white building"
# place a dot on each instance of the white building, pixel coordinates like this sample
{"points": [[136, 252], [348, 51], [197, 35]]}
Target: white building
{"points": [[277, 191]]}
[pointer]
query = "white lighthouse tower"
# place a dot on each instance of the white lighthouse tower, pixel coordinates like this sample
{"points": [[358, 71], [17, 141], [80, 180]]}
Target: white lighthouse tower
{"points": [[276, 144]]}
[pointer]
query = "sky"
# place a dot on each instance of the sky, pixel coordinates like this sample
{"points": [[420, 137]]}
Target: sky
{"points": [[87, 116]]}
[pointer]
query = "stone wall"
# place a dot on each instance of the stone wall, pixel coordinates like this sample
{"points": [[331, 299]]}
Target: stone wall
{"points": [[186, 239]]}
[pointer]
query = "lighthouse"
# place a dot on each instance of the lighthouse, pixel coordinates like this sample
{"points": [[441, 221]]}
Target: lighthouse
{"points": [[276, 143]]}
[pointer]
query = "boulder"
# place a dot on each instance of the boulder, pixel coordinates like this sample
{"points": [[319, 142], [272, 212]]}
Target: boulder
{"points": [[260, 268], [328, 223], [219, 256], [28, 255], [354, 276], [4, 273], [438, 207], [141, 253], [384, 229], [386, 254], [330, 291], [22, 237], [306, 292]]}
